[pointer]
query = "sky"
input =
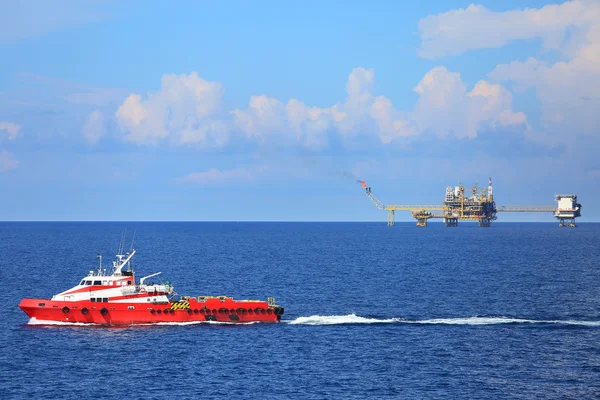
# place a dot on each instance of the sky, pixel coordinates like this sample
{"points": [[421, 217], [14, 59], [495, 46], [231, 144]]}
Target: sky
{"points": [[271, 111]]}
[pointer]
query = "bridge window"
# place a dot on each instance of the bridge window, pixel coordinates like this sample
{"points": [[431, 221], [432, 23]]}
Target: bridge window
{"points": [[88, 283], [82, 283], [93, 300], [97, 282], [129, 282], [105, 299]]}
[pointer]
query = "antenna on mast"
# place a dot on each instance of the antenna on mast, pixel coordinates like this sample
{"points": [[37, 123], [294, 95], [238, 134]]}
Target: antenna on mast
{"points": [[100, 266], [132, 239], [122, 243]]}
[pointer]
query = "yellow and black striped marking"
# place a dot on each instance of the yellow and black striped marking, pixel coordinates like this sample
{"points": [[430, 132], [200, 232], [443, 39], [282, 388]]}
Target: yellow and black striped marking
{"points": [[180, 305]]}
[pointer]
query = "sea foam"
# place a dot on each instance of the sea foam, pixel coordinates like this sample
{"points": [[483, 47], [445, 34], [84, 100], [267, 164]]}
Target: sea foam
{"points": [[355, 319]]}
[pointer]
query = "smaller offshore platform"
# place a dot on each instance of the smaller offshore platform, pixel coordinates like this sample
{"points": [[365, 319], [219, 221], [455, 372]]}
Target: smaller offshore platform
{"points": [[568, 209], [478, 205]]}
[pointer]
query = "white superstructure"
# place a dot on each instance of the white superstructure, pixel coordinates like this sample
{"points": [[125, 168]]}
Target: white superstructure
{"points": [[567, 209], [119, 286]]}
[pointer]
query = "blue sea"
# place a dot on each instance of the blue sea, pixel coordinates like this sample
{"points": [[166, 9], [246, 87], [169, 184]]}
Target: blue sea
{"points": [[506, 312]]}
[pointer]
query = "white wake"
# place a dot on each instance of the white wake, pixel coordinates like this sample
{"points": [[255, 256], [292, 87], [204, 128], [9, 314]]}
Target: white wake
{"points": [[35, 321], [355, 319], [340, 319]]}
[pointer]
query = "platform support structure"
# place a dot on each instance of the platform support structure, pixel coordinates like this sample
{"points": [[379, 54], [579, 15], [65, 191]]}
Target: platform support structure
{"points": [[567, 222], [391, 218], [451, 222], [422, 222], [484, 222]]}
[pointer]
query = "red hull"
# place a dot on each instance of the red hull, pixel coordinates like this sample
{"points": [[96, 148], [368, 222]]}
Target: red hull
{"points": [[114, 313]]}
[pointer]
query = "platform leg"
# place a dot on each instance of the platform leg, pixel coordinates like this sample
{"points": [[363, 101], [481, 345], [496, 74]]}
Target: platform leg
{"points": [[484, 222], [451, 222], [391, 218], [422, 222]]}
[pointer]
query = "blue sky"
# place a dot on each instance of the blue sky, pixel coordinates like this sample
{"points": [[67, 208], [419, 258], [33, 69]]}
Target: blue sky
{"points": [[269, 111]]}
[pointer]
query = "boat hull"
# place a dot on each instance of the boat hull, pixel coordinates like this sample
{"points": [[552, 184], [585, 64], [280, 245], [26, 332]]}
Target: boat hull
{"points": [[130, 313]]}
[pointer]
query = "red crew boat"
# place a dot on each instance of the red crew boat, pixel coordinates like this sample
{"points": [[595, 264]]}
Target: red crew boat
{"points": [[116, 299]]}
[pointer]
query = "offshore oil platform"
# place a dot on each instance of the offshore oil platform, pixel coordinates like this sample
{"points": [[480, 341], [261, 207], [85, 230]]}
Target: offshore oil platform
{"points": [[478, 206]]}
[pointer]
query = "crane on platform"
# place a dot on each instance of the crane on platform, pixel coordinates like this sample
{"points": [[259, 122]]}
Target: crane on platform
{"points": [[420, 212]]}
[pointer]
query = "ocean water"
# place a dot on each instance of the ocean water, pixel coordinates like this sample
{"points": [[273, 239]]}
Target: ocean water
{"points": [[507, 312]]}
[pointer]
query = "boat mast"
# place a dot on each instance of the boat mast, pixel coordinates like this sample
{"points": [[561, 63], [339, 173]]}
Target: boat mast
{"points": [[100, 266], [120, 263]]}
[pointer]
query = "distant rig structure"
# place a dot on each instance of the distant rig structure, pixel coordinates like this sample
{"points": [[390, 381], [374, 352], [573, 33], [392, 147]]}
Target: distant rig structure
{"points": [[479, 206]]}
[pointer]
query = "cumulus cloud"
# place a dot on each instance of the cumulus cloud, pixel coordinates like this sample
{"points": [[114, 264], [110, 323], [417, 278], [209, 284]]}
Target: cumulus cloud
{"points": [[360, 114], [11, 129], [95, 127], [567, 90], [7, 161], [186, 109], [476, 27], [214, 176], [445, 106]]}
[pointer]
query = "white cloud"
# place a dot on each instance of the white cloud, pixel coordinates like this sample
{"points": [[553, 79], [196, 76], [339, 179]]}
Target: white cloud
{"points": [[264, 116], [476, 27], [186, 109], [11, 128], [7, 161], [567, 90], [390, 124], [95, 127], [215, 176], [360, 114], [445, 106]]}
